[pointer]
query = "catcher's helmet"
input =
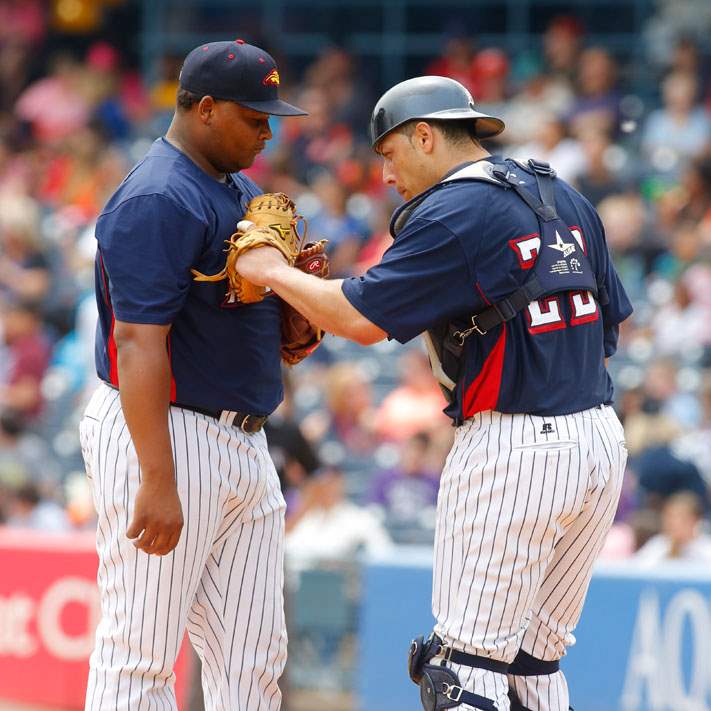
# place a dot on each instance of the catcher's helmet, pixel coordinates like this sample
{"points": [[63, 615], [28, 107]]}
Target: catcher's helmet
{"points": [[429, 98]]}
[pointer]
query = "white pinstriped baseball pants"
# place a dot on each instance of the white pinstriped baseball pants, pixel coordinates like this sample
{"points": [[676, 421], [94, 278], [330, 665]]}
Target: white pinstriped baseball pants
{"points": [[524, 506], [223, 582]]}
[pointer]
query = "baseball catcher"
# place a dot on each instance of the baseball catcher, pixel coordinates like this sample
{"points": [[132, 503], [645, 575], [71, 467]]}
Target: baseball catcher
{"points": [[271, 221]]}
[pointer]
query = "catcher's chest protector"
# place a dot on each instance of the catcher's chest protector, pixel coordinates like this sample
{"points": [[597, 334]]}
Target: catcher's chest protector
{"points": [[556, 258]]}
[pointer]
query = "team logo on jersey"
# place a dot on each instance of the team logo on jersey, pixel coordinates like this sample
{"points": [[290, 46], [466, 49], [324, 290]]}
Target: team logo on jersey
{"points": [[272, 78], [567, 248]]}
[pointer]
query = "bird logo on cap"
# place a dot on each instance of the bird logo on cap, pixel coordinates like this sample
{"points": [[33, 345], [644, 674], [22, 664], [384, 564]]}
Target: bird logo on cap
{"points": [[271, 78]]}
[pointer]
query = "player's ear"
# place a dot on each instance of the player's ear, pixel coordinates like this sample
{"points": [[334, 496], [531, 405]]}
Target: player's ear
{"points": [[424, 137], [206, 109]]}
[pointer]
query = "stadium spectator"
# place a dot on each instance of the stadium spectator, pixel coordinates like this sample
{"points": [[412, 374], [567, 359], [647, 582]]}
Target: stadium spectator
{"points": [[661, 474], [682, 536], [345, 233], [686, 316], [456, 62], [491, 69], [407, 492], [28, 509], [328, 526], [552, 145], [24, 455], [679, 131], [348, 416], [415, 405], [56, 106], [28, 353], [539, 98], [24, 265], [318, 141], [562, 42], [597, 105], [598, 179]]}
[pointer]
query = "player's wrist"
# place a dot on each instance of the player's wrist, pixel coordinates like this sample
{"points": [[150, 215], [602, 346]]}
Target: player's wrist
{"points": [[157, 475], [277, 272]]}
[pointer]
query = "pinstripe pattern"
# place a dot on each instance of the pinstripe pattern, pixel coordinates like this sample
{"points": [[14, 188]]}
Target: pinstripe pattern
{"points": [[223, 582], [522, 513]]}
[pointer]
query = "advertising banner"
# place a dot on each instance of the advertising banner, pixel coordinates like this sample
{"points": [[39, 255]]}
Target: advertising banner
{"points": [[643, 644], [49, 609]]}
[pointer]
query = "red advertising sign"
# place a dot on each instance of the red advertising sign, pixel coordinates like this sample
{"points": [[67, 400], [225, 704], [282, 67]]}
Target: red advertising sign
{"points": [[49, 608]]}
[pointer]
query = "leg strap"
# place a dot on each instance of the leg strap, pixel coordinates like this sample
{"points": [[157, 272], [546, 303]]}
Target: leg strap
{"points": [[528, 665], [473, 660]]}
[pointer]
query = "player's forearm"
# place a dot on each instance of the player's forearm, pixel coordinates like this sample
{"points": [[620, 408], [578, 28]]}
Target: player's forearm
{"points": [[144, 379], [323, 303]]}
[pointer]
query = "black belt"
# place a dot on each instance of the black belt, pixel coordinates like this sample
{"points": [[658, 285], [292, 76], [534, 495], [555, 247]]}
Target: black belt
{"points": [[242, 420]]}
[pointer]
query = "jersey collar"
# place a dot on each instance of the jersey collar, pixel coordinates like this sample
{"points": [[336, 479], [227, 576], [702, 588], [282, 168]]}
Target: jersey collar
{"points": [[481, 169]]}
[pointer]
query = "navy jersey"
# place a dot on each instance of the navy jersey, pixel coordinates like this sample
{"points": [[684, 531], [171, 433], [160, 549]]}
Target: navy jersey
{"points": [[167, 217], [469, 244]]}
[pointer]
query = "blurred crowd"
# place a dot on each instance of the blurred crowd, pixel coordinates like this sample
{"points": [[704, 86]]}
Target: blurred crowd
{"points": [[360, 439]]}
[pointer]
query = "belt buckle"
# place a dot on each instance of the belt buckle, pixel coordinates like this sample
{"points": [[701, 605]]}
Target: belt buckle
{"points": [[244, 425]]}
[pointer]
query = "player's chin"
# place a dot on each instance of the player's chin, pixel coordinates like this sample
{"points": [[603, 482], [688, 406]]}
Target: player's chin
{"points": [[237, 164]]}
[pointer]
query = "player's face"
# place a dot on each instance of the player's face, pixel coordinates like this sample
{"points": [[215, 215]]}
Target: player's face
{"points": [[404, 167], [240, 134]]}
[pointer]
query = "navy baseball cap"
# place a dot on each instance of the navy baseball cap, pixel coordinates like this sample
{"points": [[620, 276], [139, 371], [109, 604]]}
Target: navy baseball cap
{"points": [[236, 71]]}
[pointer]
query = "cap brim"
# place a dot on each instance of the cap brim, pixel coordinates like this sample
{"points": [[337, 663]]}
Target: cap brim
{"points": [[275, 107]]}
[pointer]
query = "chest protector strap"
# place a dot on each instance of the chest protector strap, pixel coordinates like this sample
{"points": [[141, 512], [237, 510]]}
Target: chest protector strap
{"points": [[561, 264], [561, 261]]}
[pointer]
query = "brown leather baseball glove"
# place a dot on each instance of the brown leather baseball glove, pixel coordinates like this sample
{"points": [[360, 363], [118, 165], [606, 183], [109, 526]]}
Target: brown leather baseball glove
{"points": [[275, 225], [299, 337]]}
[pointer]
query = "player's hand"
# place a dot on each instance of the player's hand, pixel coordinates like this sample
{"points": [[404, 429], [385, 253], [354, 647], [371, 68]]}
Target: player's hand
{"points": [[255, 265], [157, 517]]}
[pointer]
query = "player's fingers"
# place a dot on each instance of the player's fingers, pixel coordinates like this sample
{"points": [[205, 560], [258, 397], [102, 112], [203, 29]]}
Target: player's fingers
{"points": [[174, 539], [135, 529], [165, 543], [157, 546], [145, 540]]}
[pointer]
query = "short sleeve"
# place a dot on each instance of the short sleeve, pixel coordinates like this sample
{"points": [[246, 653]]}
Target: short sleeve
{"points": [[423, 279], [619, 306], [147, 246]]}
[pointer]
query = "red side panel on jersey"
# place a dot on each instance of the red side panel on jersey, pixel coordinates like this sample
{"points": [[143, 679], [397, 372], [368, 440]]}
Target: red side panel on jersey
{"points": [[170, 365], [113, 355], [483, 393], [111, 345]]}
